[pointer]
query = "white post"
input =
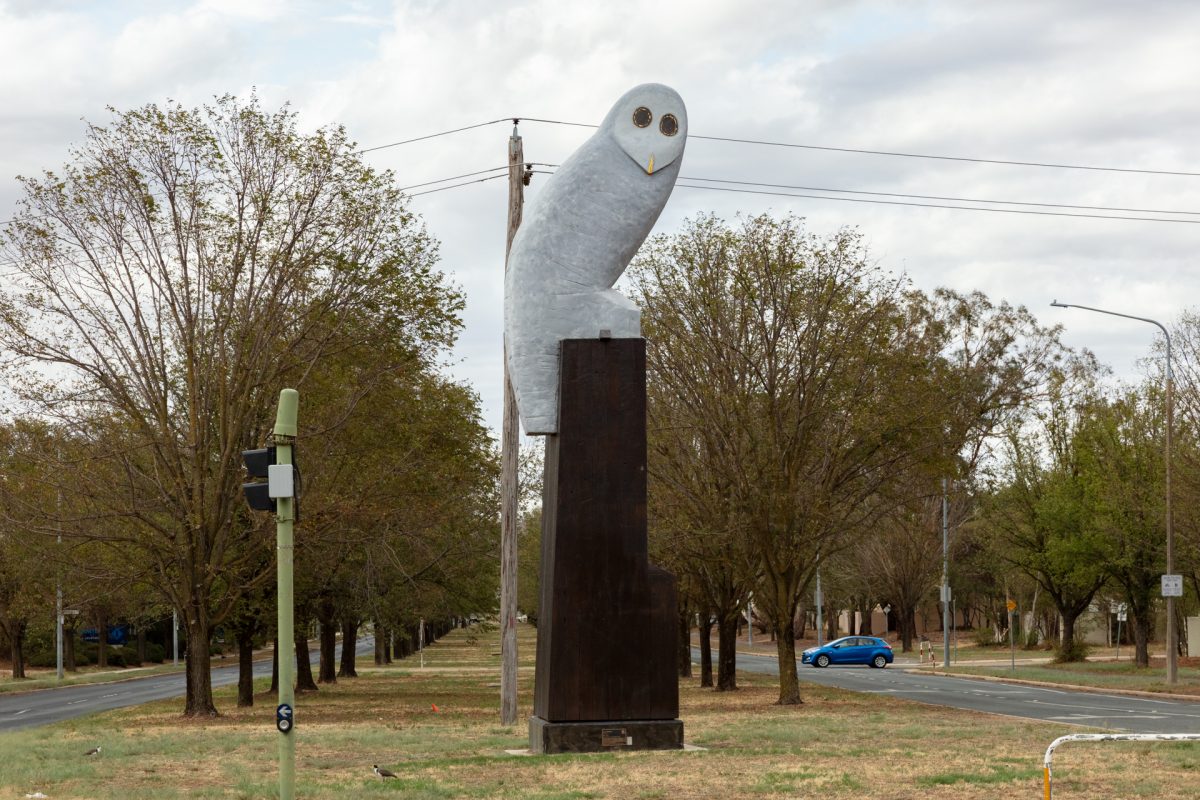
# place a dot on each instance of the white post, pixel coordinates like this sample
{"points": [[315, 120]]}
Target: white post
{"points": [[58, 627], [175, 637], [58, 614], [58, 634], [421, 641], [820, 600], [945, 578], [750, 622]]}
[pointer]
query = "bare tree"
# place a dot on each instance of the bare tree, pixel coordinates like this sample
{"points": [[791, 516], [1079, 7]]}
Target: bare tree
{"points": [[183, 267], [810, 371]]}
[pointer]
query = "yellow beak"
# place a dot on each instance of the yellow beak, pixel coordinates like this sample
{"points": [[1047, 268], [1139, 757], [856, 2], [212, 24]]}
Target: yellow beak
{"points": [[650, 166]]}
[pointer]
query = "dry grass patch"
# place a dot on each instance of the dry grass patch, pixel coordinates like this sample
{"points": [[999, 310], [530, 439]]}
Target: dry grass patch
{"points": [[1099, 674], [836, 745]]}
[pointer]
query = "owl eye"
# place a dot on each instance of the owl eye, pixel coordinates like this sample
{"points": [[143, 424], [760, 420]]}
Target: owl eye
{"points": [[642, 117], [668, 125]]}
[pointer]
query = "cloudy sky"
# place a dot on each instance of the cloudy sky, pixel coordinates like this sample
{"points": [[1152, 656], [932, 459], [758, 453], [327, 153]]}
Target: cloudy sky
{"points": [[1095, 83]]}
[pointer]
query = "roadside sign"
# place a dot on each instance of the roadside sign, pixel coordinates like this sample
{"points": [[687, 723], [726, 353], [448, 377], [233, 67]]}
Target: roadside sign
{"points": [[1122, 616], [1012, 605], [283, 718], [1172, 586]]}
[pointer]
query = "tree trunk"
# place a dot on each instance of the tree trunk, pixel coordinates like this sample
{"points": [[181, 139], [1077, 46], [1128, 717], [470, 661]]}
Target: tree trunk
{"points": [[69, 648], [864, 618], [245, 646], [328, 622], [380, 643], [349, 645], [17, 635], [102, 640], [304, 676], [685, 643], [706, 675], [199, 673], [1141, 640], [406, 644], [831, 623], [785, 648], [727, 653], [141, 645], [1067, 649], [908, 628], [274, 669]]}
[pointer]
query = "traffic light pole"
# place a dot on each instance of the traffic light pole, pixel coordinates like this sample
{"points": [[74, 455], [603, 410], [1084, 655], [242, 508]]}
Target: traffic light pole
{"points": [[285, 435]]}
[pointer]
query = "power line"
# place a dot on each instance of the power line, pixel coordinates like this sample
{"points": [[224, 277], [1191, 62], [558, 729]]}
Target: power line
{"points": [[457, 185], [1050, 165], [898, 154], [434, 135], [926, 196], [926, 205], [942, 205], [453, 178], [942, 197]]}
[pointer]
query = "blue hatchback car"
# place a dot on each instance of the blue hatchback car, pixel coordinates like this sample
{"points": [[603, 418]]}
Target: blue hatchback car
{"points": [[850, 650]]}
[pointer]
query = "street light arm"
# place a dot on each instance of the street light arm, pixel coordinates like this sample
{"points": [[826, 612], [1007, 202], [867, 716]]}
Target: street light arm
{"points": [[1161, 327]]}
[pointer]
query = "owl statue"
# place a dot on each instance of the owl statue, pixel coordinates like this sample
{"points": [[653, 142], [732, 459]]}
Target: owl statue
{"points": [[579, 234]]}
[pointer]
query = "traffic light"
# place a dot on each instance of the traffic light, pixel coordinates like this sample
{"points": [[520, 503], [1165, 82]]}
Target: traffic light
{"points": [[283, 480], [258, 464]]}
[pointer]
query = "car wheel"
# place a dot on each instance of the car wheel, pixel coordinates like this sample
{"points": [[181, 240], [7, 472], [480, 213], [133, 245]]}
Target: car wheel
{"points": [[822, 660], [879, 662]]}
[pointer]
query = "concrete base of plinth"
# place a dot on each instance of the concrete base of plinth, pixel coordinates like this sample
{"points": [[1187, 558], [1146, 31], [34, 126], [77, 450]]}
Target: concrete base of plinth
{"points": [[597, 737]]}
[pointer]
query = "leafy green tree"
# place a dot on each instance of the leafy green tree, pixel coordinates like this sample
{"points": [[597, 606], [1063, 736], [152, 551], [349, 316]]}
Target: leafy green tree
{"points": [[1125, 470], [1040, 514]]}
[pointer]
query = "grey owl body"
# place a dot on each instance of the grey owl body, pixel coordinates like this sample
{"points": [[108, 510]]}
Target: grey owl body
{"points": [[579, 235]]}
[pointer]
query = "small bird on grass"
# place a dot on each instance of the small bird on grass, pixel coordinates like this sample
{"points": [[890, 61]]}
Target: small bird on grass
{"points": [[95, 751], [383, 773]]}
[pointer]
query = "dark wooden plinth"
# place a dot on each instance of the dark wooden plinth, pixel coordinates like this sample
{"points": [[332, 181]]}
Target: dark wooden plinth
{"points": [[607, 625], [598, 737]]}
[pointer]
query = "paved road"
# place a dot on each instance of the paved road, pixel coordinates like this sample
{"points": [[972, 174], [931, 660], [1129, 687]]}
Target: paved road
{"points": [[1114, 712], [26, 710]]}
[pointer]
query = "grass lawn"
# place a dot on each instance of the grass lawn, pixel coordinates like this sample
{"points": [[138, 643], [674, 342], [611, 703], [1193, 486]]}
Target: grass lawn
{"points": [[1100, 674], [46, 678], [837, 745]]}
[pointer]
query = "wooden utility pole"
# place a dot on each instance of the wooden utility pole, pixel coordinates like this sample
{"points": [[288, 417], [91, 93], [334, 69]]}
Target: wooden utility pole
{"points": [[508, 468]]}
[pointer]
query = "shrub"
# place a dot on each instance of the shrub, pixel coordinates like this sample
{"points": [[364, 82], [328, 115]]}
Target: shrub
{"points": [[41, 657], [155, 653], [89, 653], [1070, 652], [986, 636]]}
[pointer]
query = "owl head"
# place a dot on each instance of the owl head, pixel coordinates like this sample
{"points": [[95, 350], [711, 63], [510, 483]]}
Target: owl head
{"points": [[649, 123]]}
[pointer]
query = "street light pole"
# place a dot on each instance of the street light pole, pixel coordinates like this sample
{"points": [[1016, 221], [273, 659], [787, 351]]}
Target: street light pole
{"points": [[1172, 658], [945, 580]]}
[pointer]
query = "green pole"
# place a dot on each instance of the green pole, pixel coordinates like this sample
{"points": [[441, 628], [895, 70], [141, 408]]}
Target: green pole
{"points": [[285, 435]]}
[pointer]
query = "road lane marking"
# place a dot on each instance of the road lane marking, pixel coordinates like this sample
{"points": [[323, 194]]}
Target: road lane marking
{"points": [[1105, 716], [19, 713]]}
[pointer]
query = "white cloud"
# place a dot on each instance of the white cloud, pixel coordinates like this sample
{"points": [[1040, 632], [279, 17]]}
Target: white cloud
{"points": [[1022, 80]]}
